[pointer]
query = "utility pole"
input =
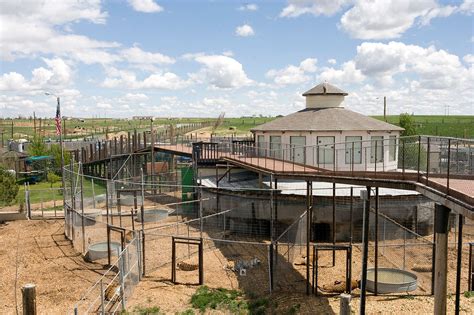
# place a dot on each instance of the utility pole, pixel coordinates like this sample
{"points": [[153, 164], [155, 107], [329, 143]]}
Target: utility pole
{"points": [[385, 108], [34, 123]]}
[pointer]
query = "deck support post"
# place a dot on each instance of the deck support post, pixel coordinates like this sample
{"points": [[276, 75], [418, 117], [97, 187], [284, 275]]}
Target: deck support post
{"points": [[365, 195], [309, 214], [441, 259]]}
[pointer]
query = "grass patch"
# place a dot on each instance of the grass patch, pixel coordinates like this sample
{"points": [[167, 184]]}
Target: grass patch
{"points": [[207, 298], [469, 294], [233, 301], [139, 310]]}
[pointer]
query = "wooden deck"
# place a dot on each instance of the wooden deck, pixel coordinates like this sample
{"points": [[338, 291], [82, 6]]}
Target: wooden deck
{"points": [[460, 193]]}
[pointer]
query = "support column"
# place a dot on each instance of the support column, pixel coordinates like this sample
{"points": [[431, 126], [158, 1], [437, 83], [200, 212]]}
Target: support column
{"points": [[441, 259], [365, 195], [309, 214]]}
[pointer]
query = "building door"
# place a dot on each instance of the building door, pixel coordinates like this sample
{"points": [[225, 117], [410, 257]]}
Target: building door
{"points": [[353, 149], [298, 149], [376, 149], [325, 150], [275, 147], [261, 145]]}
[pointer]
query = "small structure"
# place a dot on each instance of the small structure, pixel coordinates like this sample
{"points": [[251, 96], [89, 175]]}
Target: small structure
{"points": [[327, 135]]}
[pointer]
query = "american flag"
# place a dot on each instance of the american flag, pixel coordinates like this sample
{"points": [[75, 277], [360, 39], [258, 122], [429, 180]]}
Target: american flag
{"points": [[58, 120]]}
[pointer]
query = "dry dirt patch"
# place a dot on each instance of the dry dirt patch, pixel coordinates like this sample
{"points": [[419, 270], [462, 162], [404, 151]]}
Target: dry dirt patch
{"points": [[45, 258]]}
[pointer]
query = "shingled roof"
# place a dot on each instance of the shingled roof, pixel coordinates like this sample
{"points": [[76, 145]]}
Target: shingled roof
{"points": [[326, 119], [325, 89]]}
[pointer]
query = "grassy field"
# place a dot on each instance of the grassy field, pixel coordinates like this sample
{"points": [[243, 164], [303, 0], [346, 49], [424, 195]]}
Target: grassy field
{"points": [[79, 128], [239, 126], [449, 126], [43, 192], [446, 126]]}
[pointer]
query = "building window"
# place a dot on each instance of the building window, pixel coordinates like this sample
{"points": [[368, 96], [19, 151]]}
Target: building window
{"points": [[325, 150], [376, 149], [392, 148], [353, 149], [275, 146]]}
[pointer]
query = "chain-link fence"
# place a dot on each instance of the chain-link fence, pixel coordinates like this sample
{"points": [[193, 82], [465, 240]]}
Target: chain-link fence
{"points": [[255, 236]]}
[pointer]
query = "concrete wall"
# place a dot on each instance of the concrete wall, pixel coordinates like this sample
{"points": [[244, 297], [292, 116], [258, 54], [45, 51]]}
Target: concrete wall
{"points": [[406, 210]]}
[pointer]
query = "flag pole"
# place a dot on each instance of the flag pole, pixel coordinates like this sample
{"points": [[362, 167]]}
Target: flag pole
{"points": [[62, 156]]}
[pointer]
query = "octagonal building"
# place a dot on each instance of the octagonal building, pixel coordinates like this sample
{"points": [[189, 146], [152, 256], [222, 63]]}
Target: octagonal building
{"points": [[329, 136]]}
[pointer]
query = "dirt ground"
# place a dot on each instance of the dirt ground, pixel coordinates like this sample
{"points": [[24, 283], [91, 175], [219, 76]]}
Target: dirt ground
{"points": [[46, 259], [156, 289]]}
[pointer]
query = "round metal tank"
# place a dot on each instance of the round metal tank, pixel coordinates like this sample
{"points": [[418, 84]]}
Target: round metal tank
{"points": [[99, 250], [91, 216], [152, 215], [391, 280]]}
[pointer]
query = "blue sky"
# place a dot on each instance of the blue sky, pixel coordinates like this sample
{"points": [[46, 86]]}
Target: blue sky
{"points": [[202, 58]]}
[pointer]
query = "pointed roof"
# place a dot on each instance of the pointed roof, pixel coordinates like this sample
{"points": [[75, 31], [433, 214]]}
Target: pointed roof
{"points": [[326, 119], [325, 89]]}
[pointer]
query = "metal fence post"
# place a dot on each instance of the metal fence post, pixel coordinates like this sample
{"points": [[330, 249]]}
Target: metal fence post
{"points": [[122, 280], [102, 306]]}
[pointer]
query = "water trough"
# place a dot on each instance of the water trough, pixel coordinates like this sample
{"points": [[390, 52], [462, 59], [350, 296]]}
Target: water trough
{"points": [[152, 215], [99, 250], [391, 280]]}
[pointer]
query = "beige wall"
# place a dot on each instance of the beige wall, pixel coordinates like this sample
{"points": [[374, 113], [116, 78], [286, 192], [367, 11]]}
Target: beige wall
{"points": [[324, 101], [311, 151]]}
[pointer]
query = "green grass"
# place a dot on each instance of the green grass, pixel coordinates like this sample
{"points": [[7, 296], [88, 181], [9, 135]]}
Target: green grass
{"points": [[446, 126], [91, 126], [139, 310], [240, 126], [469, 294], [207, 298], [42, 192], [234, 301]]}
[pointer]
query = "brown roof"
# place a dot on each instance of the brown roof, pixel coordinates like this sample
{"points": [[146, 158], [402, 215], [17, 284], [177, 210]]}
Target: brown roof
{"points": [[325, 89], [326, 119]]}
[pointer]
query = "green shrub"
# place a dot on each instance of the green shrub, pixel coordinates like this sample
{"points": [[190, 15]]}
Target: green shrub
{"points": [[206, 297], [8, 187]]}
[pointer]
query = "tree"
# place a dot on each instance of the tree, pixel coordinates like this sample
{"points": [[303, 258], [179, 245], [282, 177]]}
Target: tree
{"points": [[37, 147], [55, 152], [8, 187], [406, 122], [53, 178]]}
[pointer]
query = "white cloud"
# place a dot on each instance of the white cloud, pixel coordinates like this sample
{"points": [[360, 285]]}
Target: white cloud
{"points": [[30, 29], [244, 31], [435, 69], [228, 53], [332, 61], [147, 6], [296, 8], [57, 76], [467, 7], [293, 74], [381, 19], [127, 79], [137, 56], [248, 7], [138, 97], [348, 74], [221, 72], [468, 58]]}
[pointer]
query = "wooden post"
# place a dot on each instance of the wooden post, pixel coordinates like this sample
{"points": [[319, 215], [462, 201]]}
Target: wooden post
{"points": [[345, 304], [29, 299], [441, 259]]}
